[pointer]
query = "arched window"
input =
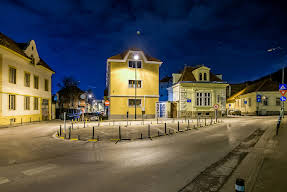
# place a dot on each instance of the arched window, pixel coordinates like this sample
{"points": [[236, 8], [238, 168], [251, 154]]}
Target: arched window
{"points": [[200, 76], [205, 77]]}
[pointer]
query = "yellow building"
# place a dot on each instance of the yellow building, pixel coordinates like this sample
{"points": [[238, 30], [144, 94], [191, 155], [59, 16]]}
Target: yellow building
{"points": [[133, 85], [245, 101], [25, 83], [195, 92]]}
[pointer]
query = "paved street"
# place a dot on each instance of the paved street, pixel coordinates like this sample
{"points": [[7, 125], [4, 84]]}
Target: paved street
{"points": [[31, 160]]}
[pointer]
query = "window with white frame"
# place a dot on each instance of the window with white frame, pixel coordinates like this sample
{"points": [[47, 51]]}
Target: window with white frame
{"points": [[203, 99], [26, 102], [135, 64], [133, 102], [12, 102], [135, 83]]}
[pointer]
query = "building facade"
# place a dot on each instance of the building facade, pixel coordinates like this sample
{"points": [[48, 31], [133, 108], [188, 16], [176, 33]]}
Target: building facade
{"points": [[195, 92], [164, 83], [133, 85], [259, 98], [25, 83]]}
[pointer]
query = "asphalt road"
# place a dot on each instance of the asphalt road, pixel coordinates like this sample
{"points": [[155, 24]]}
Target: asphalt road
{"points": [[31, 160]]}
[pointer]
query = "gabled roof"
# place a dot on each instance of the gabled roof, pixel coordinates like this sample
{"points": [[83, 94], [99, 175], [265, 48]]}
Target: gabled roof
{"points": [[187, 74], [19, 48], [123, 54], [166, 79], [262, 85]]}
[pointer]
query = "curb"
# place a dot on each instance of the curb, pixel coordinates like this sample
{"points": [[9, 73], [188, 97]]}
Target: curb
{"points": [[250, 166]]}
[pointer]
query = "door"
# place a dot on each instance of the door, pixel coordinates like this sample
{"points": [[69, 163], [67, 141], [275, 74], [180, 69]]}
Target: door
{"points": [[173, 110], [161, 110], [45, 109]]}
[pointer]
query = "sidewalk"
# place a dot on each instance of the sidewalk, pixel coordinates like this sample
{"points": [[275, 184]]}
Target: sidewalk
{"points": [[272, 175]]}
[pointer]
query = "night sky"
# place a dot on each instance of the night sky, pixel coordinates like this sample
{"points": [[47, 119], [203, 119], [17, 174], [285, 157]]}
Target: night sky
{"points": [[75, 37]]}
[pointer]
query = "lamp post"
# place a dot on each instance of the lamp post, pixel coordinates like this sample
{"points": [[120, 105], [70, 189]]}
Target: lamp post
{"points": [[282, 102], [136, 57]]}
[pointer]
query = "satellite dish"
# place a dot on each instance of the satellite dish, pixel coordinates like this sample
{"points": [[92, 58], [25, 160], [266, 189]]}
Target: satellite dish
{"points": [[83, 96]]}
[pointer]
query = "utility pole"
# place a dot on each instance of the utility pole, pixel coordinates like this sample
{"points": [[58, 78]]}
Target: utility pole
{"points": [[136, 89], [282, 83]]}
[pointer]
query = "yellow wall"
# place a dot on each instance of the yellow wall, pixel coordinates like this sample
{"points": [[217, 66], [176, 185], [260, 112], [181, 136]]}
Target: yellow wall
{"points": [[119, 91], [22, 65]]}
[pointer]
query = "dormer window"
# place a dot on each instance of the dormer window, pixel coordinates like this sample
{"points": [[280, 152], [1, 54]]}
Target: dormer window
{"points": [[205, 77], [200, 76]]}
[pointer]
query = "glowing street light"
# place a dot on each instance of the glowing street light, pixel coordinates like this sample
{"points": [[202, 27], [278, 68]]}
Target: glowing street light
{"points": [[136, 57], [90, 95]]}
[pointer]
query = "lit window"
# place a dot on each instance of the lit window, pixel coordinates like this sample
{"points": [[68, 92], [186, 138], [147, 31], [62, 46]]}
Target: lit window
{"points": [[12, 75], [36, 82], [12, 102], [46, 85], [133, 102], [132, 83], [27, 103], [203, 99], [27, 79], [135, 64], [36, 103]]}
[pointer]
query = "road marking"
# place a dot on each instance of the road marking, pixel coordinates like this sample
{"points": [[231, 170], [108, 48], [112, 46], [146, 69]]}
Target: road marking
{"points": [[38, 170], [4, 180]]}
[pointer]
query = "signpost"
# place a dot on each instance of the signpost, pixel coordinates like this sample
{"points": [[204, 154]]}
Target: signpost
{"points": [[107, 103], [283, 92], [188, 100], [282, 89], [216, 106], [258, 98]]}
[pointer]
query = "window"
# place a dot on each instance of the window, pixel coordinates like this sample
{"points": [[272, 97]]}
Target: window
{"points": [[135, 64], [265, 101], [218, 98], [12, 75], [12, 102], [278, 101], [36, 82], [133, 102], [200, 76], [46, 85], [203, 99], [249, 102], [27, 79], [205, 77], [27, 103], [132, 83], [36, 103]]}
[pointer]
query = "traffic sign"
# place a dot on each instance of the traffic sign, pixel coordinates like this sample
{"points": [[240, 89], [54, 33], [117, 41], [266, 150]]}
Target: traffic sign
{"points": [[188, 100], [283, 92], [283, 98], [107, 103], [258, 98], [282, 87], [215, 106], [245, 102]]}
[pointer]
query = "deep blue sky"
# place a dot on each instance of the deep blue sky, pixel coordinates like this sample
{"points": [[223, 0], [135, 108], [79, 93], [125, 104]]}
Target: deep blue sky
{"points": [[75, 37]]}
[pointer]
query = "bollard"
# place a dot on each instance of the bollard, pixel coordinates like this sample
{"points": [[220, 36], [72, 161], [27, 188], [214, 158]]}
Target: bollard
{"points": [[120, 135], [158, 133], [277, 127], [148, 131], [178, 126], [210, 120], [93, 132], [84, 124], [70, 133], [164, 128], [197, 121], [157, 120], [239, 185], [205, 121], [141, 136], [187, 124], [60, 130], [79, 137]]}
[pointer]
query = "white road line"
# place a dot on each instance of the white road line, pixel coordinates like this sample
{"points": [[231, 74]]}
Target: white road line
{"points": [[38, 170], [4, 180]]}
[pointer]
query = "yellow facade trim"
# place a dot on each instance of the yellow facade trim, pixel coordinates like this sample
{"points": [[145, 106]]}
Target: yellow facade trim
{"points": [[10, 93]]}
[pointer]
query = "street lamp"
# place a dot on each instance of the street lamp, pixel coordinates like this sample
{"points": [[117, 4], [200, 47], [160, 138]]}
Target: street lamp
{"points": [[271, 50], [136, 57]]}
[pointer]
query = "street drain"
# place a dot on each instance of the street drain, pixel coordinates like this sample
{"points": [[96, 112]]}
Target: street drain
{"points": [[213, 177]]}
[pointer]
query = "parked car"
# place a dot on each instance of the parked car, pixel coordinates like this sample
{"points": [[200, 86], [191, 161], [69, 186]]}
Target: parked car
{"points": [[71, 114], [92, 116]]}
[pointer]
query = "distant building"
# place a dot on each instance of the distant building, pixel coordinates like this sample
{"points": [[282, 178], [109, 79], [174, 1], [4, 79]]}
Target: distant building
{"points": [[133, 85], [262, 97], [164, 83], [25, 86], [194, 92]]}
